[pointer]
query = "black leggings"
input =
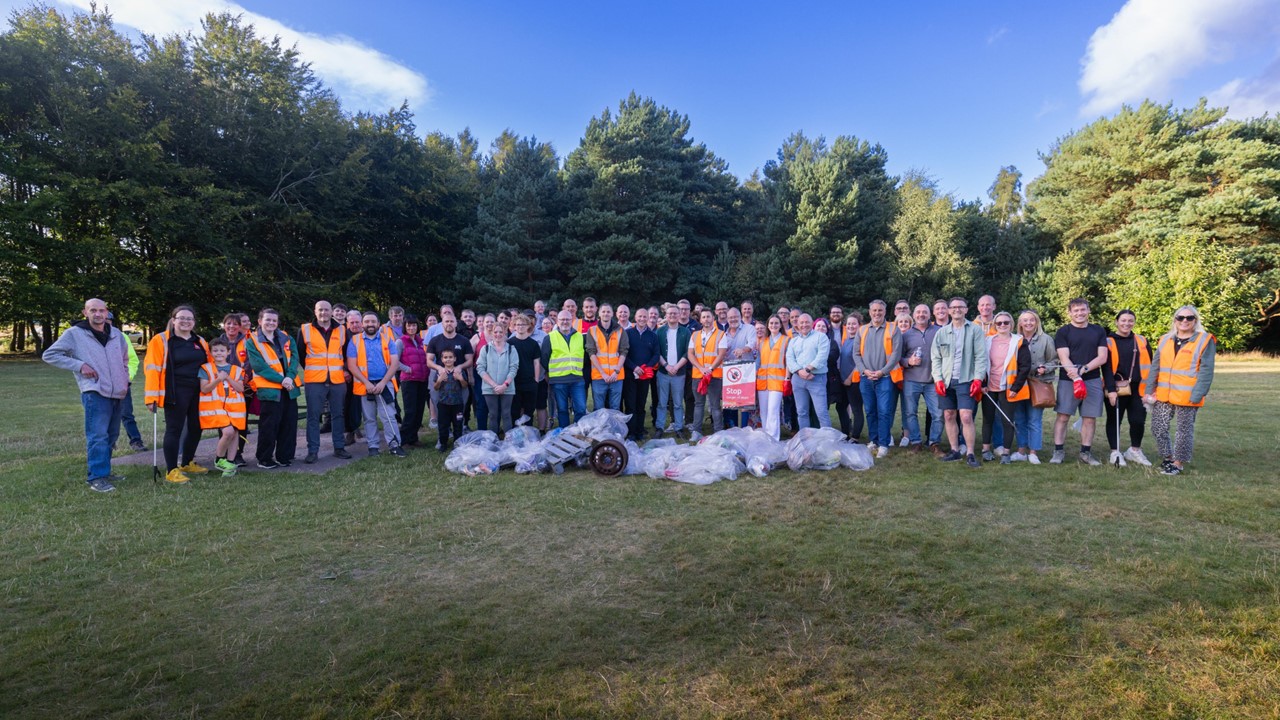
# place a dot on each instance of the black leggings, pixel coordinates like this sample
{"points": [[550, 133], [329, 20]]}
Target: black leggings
{"points": [[181, 412], [1131, 404], [853, 395]]}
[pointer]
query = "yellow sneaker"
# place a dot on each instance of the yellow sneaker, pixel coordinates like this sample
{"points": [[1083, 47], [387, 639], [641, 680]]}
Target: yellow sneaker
{"points": [[193, 468], [176, 476]]}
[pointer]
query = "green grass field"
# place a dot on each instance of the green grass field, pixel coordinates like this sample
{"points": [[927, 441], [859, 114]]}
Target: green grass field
{"points": [[394, 590]]}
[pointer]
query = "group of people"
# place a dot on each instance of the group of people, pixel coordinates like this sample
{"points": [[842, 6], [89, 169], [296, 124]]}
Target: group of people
{"points": [[664, 363]]}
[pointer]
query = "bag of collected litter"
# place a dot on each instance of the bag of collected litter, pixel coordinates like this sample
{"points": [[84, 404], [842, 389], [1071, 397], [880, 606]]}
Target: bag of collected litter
{"points": [[483, 438], [815, 449], [522, 435], [856, 456], [704, 465], [603, 424], [762, 453], [634, 459], [656, 461], [473, 459]]}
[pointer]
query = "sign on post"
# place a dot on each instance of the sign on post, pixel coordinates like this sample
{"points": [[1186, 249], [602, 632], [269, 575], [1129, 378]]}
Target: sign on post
{"points": [[739, 389]]}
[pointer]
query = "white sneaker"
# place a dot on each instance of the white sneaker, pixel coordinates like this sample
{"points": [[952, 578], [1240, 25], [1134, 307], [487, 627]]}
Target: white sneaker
{"points": [[1135, 455], [872, 447], [905, 441], [1117, 459], [1033, 458], [1017, 457], [882, 452]]}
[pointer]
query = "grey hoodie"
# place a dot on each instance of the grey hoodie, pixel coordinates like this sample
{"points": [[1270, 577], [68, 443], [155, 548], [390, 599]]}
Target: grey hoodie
{"points": [[77, 346]]}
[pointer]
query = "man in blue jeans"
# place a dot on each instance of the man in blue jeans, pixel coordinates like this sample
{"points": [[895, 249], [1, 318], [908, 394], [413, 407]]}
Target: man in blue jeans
{"points": [[673, 367], [563, 355], [876, 356], [807, 363], [97, 355], [918, 379]]}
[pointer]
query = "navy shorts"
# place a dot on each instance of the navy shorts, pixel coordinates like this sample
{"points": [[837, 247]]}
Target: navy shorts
{"points": [[957, 398]]}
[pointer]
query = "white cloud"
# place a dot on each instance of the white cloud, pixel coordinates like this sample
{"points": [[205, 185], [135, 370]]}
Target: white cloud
{"points": [[996, 34], [364, 78], [1250, 98], [1150, 43]]}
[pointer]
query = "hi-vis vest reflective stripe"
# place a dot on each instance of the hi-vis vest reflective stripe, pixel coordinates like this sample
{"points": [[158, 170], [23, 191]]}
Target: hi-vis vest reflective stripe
{"points": [[323, 363], [1176, 379], [607, 353], [706, 347], [268, 353], [223, 406], [773, 363], [566, 356], [1011, 372], [896, 373], [156, 363], [1144, 360], [385, 338]]}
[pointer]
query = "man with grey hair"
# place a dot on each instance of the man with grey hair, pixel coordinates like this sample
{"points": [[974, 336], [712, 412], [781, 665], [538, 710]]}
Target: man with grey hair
{"points": [[96, 353], [807, 362]]}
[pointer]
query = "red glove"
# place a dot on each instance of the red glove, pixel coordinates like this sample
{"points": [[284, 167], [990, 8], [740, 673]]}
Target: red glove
{"points": [[940, 388], [975, 390], [704, 384], [1079, 389], [786, 388]]}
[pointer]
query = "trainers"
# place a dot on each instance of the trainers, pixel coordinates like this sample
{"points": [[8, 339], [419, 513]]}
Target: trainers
{"points": [[176, 476], [433, 424], [1086, 457], [285, 463], [1006, 459], [972, 461], [268, 465], [951, 456], [872, 447], [374, 452], [522, 420], [193, 468], [241, 462], [342, 454], [138, 446], [1017, 457], [1168, 468], [1033, 458], [1135, 455], [101, 485], [1116, 459], [349, 438], [988, 456], [904, 442], [227, 467], [1058, 457], [398, 451], [310, 458], [882, 452]]}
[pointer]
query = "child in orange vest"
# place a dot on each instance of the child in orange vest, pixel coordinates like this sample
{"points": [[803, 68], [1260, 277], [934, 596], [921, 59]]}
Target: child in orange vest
{"points": [[222, 404]]}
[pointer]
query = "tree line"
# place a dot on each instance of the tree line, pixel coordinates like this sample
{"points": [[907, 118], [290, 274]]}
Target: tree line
{"points": [[216, 169]]}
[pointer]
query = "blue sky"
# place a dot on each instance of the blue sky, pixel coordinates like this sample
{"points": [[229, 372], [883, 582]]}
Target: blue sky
{"points": [[955, 90]]}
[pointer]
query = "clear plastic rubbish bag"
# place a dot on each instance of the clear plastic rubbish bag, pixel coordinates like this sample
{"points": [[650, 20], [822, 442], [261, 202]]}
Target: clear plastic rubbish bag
{"points": [[473, 459], [603, 424], [705, 464]]}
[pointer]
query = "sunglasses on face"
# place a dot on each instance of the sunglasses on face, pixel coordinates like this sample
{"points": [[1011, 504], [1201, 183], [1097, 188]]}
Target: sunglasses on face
{"points": [[1003, 322], [1185, 318]]}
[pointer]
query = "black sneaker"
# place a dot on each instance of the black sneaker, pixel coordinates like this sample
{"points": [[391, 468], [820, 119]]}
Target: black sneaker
{"points": [[241, 462], [286, 463], [268, 465], [310, 458], [374, 452], [137, 446], [342, 454], [951, 456], [1168, 468], [101, 485], [972, 461], [398, 451]]}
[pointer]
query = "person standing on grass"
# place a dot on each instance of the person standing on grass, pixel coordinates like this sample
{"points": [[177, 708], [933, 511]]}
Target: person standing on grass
{"points": [[986, 315], [771, 377], [497, 364], [524, 406], [1125, 378], [413, 380], [373, 361], [96, 354], [606, 345], [1082, 351], [1183, 371], [917, 379], [222, 406], [958, 360], [876, 358], [450, 388], [324, 379], [748, 311], [172, 369], [563, 352], [807, 363], [1002, 352], [941, 312], [277, 379], [449, 338], [1034, 352], [126, 411]]}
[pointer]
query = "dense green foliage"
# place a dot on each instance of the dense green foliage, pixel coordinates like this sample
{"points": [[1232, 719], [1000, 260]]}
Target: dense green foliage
{"points": [[216, 169]]}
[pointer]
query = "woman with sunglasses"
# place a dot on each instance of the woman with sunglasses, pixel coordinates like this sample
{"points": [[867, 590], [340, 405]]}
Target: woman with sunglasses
{"points": [[1130, 366], [1183, 371], [172, 370], [1001, 353]]}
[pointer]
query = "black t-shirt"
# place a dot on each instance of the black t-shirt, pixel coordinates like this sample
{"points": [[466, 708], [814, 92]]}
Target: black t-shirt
{"points": [[460, 346], [529, 350], [1082, 347], [185, 359]]}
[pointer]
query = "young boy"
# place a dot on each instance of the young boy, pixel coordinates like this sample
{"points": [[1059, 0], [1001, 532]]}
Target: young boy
{"points": [[222, 405], [452, 388]]}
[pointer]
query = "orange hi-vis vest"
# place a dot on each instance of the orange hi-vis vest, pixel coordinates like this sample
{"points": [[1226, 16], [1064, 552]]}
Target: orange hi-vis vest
{"points": [[323, 363], [895, 374], [607, 353], [773, 363], [1144, 360], [362, 360], [223, 406], [268, 353], [988, 328], [706, 347], [1011, 372], [1177, 379], [156, 363]]}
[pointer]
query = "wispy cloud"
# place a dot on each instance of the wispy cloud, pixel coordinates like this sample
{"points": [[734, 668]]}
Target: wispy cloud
{"points": [[364, 78], [1251, 97], [1149, 44], [996, 34]]}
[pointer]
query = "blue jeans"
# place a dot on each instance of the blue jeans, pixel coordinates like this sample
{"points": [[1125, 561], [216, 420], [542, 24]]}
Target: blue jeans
{"points": [[911, 394], [878, 399], [101, 429], [316, 394], [1027, 421], [811, 392], [670, 386], [575, 392], [606, 394], [482, 407], [126, 417]]}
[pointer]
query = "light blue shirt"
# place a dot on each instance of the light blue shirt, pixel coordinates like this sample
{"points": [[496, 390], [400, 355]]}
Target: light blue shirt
{"points": [[808, 351], [373, 355]]}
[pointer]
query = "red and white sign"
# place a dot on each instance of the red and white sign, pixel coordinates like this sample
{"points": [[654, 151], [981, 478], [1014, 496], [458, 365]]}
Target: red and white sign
{"points": [[739, 389]]}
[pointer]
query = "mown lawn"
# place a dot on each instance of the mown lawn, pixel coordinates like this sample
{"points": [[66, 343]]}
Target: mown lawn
{"points": [[394, 589]]}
